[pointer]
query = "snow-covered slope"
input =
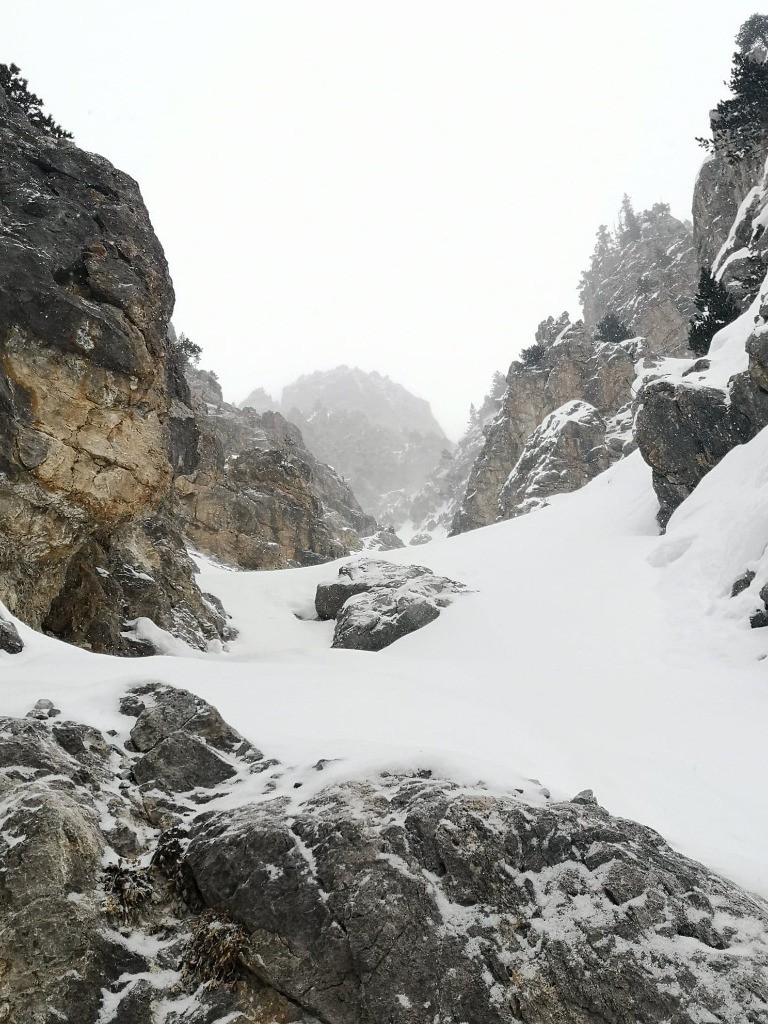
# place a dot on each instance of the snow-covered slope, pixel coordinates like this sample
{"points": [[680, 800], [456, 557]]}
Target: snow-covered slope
{"points": [[592, 653]]}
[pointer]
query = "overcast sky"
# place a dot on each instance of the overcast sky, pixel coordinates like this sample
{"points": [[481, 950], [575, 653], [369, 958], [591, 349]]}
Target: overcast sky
{"points": [[404, 186]]}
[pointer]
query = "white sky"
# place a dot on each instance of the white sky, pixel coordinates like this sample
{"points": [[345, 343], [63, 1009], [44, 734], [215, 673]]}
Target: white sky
{"points": [[403, 186]]}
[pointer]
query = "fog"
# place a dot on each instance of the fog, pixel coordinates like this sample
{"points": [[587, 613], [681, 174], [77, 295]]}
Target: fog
{"points": [[407, 187]]}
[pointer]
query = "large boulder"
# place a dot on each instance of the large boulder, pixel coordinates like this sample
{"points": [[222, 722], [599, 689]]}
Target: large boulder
{"points": [[402, 898], [415, 901], [376, 602]]}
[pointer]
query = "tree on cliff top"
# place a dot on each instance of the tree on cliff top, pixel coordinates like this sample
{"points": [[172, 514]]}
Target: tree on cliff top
{"points": [[716, 308], [740, 122], [16, 89]]}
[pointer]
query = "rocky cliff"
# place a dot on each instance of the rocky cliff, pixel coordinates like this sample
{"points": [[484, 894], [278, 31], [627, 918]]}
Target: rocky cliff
{"points": [[257, 497], [693, 414], [94, 414], [152, 876], [645, 272], [382, 439], [568, 364]]}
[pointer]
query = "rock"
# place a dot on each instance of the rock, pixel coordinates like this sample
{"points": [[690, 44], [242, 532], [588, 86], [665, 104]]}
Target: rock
{"points": [[563, 454], [258, 498], [648, 279], [181, 763], [420, 538], [728, 201], [742, 583], [43, 710], [182, 739], [574, 366], [384, 540], [685, 427], [375, 603], [496, 911], [93, 413], [586, 796], [10, 641]]}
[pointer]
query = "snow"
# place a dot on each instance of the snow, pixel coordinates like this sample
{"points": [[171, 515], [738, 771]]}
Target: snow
{"points": [[591, 653]]}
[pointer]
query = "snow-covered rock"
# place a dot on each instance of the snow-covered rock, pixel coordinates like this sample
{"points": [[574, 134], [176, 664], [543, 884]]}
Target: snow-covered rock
{"points": [[572, 365], [563, 454], [375, 602]]}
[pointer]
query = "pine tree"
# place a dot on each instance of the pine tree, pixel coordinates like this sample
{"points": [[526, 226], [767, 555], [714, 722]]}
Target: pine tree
{"points": [[17, 91], [187, 349], [716, 308], [740, 122], [612, 329], [630, 226], [532, 355]]}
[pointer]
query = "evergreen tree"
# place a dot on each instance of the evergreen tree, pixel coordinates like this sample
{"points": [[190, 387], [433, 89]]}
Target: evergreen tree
{"points": [[17, 91], [532, 355], [629, 224], [716, 308], [740, 122], [612, 329], [187, 349]]}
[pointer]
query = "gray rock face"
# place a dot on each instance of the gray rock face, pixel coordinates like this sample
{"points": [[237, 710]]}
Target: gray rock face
{"points": [[10, 641], [384, 540], [574, 366], [375, 433], [682, 432], [415, 901], [94, 419], [648, 278], [257, 497], [400, 899], [564, 453], [727, 236], [375, 603]]}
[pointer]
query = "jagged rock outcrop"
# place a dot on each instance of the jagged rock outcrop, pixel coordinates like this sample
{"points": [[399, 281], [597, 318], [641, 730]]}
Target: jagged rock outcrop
{"points": [[729, 200], [686, 425], [646, 273], [572, 365], [248, 907], [376, 603], [384, 540], [258, 498], [382, 439], [565, 452], [94, 416]]}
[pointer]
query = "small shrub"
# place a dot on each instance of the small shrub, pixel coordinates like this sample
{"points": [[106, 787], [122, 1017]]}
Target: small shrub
{"points": [[216, 948], [532, 355], [126, 890], [612, 329]]}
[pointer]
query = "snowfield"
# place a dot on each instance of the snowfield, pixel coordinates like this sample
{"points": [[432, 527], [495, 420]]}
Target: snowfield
{"points": [[592, 653]]}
